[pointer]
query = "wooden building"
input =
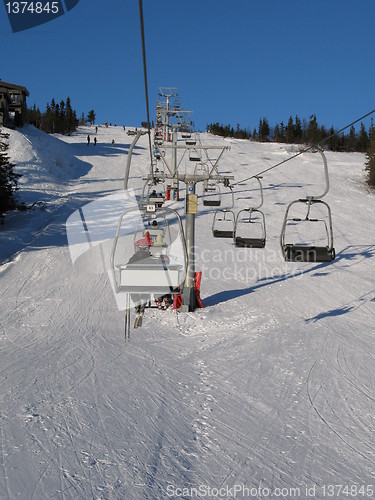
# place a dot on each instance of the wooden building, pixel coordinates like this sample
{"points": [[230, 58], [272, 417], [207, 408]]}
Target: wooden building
{"points": [[12, 104]]}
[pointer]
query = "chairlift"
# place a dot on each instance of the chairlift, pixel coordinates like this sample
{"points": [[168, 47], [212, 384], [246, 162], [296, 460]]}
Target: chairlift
{"points": [[153, 270], [223, 222], [154, 196], [202, 170], [194, 155], [304, 251], [157, 155], [190, 141], [250, 229], [250, 225], [212, 195]]}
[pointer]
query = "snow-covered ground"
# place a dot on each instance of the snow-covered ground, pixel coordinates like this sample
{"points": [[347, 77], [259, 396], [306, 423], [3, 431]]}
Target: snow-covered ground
{"points": [[269, 391]]}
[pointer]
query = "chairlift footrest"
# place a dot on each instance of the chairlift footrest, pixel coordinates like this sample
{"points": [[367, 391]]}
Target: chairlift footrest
{"points": [[297, 253], [222, 234], [250, 242], [211, 203]]}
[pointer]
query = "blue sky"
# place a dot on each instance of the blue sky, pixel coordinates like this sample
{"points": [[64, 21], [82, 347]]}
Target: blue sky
{"points": [[234, 61]]}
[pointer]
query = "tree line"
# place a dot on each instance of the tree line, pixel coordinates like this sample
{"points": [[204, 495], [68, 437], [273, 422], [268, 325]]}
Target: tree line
{"points": [[58, 118], [61, 118], [297, 131]]}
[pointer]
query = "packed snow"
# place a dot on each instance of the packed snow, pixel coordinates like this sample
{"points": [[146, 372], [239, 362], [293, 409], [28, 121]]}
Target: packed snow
{"points": [[268, 391]]}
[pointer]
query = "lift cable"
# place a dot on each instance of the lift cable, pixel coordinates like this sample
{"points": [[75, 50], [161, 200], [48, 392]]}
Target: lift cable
{"points": [[145, 77], [305, 150]]}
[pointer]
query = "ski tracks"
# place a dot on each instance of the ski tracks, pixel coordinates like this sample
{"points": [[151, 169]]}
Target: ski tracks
{"points": [[343, 404]]}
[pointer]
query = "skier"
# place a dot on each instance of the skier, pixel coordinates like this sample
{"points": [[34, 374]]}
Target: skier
{"points": [[88, 140], [95, 141], [113, 142], [96, 129]]}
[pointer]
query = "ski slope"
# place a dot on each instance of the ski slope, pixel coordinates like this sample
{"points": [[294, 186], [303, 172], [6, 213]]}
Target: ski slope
{"points": [[270, 387]]}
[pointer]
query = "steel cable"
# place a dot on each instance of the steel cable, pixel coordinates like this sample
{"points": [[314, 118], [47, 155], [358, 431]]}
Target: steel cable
{"points": [[145, 78]]}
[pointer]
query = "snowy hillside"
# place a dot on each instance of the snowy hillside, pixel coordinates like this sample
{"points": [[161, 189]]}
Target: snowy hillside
{"points": [[267, 391]]}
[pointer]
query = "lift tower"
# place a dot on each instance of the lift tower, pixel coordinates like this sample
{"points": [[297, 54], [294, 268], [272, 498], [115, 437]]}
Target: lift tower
{"points": [[189, 302], [168, 93]]}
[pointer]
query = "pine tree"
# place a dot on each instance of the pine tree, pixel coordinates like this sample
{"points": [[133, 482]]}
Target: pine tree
{"points": [[363, 140], [371, 134], [370, 164], [298, 133], [70, 121], [313, 130], [289, 131], [264, 130], [276, 133], [34, 116], [8, 178], [333, 143], [282, 132], [351, 141], [47, 119], [91, 116]]}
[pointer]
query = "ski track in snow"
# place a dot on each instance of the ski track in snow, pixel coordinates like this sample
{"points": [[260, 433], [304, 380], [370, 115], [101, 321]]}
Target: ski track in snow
{"points": [[272, 384]]}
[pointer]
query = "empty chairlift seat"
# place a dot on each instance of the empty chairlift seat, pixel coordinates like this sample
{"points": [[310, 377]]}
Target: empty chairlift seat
{"points": [[212, 195], [223, 224], [314, 228], [194, 155], [250, 229], [309, 238]]}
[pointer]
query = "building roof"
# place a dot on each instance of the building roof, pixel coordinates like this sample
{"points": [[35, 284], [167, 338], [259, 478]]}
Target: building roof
{"points": [[13, 86]]}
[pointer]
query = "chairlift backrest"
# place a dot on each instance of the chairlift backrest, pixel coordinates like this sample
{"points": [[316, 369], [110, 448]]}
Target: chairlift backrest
{"points": [[145, 272]]}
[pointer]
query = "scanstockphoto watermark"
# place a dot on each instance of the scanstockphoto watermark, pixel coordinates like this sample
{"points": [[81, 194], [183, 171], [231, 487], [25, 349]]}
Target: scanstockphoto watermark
{"points": [[243, 265], [236, 491], [242, 491]]}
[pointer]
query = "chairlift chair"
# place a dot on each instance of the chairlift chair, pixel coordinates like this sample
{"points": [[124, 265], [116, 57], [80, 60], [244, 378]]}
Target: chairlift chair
{"points": [[212, 195], [224, 220], [194, 155], [157, 155], [154, 197], [191, 141], [186, 135], [250, 225], [247, 219], [223, 224], [149, 274], [302, 251]]}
